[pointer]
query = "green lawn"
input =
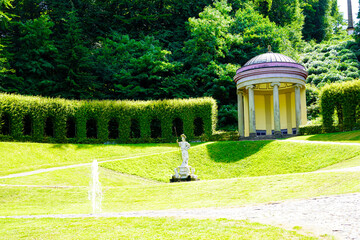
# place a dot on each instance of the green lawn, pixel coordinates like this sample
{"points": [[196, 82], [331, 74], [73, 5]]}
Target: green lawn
{"points": [[232, 174], [222, 160], [21, 157], [78, 176], [140, 228], [213, 193], [353, 136], [213, 160]]}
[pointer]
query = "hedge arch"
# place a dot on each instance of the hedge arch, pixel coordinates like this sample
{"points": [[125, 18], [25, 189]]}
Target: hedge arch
{"points": [[177, 127], [49, 127], [135, 129], [70, 127], [5, 124], [113, 128], [198, 126], [155, 128], [91, 128], [344, 99], [28, 125], [96, 121]]}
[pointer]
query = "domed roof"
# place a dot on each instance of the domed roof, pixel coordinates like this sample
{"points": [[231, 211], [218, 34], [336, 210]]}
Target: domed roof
{"points": [[270, 60], [270, 57]]}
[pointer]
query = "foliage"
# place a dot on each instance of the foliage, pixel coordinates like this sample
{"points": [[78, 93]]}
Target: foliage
{"points": [[75, 79], [335, 60], [33, 53], [312, 102], [220, 40], [344, 98], [317, 20], [59, 111], [310, 129], [130, 69], [146, 50]]}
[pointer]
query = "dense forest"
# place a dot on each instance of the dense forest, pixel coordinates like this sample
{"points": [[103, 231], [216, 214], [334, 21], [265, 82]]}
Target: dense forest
{"points": [[160, 49]]}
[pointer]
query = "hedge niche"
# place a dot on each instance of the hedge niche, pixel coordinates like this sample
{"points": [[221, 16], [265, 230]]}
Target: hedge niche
{"points": [[344, 100], [39, 119]]}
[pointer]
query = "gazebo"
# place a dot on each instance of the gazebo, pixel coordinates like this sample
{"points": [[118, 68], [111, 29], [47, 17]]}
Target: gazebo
{"points": [[271, 96]]}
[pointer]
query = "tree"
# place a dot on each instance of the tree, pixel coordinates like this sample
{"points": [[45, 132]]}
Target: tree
{"points": [[33, 53], [130, 69], [74, 76], [5, 70], [317, 21]]}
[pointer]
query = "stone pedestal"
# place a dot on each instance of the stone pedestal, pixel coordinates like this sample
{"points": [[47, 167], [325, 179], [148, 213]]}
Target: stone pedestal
{"points": [[184, 174]]}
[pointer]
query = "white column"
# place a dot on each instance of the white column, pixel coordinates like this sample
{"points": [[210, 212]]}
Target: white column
{"points": [[277, 128], [240, 113], [252, 123], [268, 114], [297, 106]]}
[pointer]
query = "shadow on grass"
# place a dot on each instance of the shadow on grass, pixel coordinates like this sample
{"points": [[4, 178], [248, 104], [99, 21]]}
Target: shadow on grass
{"points": [[229, 152]]}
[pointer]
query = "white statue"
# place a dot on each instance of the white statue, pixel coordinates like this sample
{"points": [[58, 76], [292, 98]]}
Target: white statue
{"points": [[185, 146], [184, 172]]}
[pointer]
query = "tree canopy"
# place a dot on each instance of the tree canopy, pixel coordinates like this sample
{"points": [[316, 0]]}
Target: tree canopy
{"points": [[122, 49]]}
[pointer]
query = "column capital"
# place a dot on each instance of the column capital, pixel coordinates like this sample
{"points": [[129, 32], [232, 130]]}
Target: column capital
{"points": [[240, 91], [249, 87], [298, 85], [275, 84]]}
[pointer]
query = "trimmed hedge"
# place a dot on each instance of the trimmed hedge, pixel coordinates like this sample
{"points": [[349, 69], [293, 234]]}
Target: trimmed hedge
{"points": [[61, 114], [310, 129], [345, 99]]}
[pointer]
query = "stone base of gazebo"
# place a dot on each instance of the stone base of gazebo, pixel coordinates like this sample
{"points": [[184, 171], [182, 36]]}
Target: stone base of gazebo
{"points": [[266, 137]]}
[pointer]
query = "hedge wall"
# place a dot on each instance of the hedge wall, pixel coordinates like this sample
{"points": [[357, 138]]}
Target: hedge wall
{"points": [[39, 119], [345, 99]]}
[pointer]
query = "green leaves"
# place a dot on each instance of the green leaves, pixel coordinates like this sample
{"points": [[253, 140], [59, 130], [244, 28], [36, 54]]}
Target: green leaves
{"points": [[102, 112], [133, 69], [344, 98]]}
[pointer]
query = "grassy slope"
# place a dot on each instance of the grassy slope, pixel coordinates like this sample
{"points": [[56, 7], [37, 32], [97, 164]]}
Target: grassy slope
{"points": [[140, 228], [79, 176], [20, 157], [222, 160], [353, 136], [217, 160], [214, 193]]}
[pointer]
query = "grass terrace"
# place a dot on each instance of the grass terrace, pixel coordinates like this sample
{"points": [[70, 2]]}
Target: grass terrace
{"points": [[135, 178]]}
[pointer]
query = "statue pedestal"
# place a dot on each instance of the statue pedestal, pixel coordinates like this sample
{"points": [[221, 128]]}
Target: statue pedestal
{"points": [[184, 174]]}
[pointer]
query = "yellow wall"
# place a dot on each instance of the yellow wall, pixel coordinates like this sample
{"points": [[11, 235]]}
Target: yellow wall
{"points": [[260, 111]]}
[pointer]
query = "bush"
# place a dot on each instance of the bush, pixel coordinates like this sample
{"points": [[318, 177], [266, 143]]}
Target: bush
{"points": [[55, 120], [344, 98], [352, 75], [310, 129]]}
